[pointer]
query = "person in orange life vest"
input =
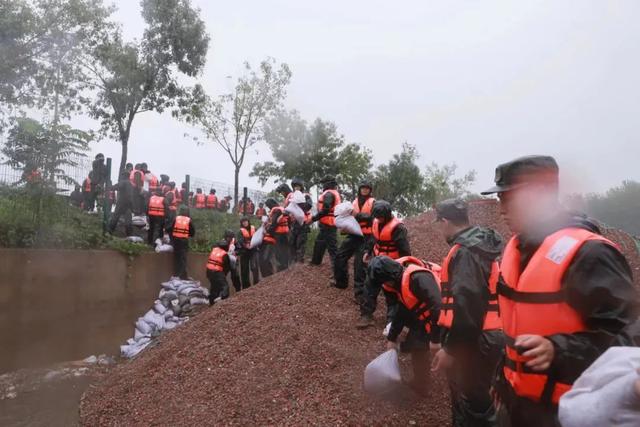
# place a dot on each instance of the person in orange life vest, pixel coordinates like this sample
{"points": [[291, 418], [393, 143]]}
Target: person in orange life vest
{"points": [[230, 237], [200, 200], [300, 233], [261, 211], [327, 237], [218, 266], [248, 256], [164, 183], [157, 212], [390, 238], [191, 200], [224, 204], [171, 197], [136, 176], [250, 208], [276, 238], [564, 292], [124, 201], [75, 198], [355, 245], [180, 230], [212, 200], [87, 193], [417, 288], [472, 340]]}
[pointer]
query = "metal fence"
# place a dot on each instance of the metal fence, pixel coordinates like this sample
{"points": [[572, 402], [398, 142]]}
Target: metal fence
{"points": [[223, 189]]}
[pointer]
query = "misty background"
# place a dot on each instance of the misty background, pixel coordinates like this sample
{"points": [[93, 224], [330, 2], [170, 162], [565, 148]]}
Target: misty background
{"points": [[475, 83]]}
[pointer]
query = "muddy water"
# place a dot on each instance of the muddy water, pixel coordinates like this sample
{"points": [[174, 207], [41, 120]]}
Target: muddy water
{"points": [[57, 306], [66, 305]]}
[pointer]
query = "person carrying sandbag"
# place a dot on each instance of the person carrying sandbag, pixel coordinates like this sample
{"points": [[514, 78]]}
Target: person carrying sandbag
{"points": [[276, 240], [327, 239], [417, 287], [180, 230], [218, 266], [355, 245], [248, 256]]}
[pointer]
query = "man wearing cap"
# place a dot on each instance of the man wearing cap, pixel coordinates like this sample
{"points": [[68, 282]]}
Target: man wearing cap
{"points": [[565, 291], [472, 342], [327, 239]]}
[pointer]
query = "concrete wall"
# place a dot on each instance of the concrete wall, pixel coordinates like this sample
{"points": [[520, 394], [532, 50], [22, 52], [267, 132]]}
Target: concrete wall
{"points": [[59, 305]]}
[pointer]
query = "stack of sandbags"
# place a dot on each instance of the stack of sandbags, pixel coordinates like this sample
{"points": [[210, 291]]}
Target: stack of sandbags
{"points": [[161, 246], [173, 306]]}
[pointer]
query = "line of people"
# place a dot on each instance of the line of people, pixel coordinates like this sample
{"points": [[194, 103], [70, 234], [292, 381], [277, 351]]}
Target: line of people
{"points": [[511, 325]]}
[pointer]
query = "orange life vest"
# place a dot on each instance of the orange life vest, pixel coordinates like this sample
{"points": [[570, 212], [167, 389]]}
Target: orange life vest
{"points": [[533, 302], [132, 177], [212, 201], [250, 208], [287, 199], [200, 201], [366, 209], [156, 206], [181, 227], [153, 183], [87, 185], [261, 212], [385, 245], [281, 228], [406, 296], [329, 219], [247, 235], [174, 202], [216, 259], [492, 317]]}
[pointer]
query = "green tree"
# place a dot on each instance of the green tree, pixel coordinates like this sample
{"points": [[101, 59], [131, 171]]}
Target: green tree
{"points": [[618, 207], [440, 182], [309, 152], [235, 121], [400, 182], [135, 77], [46, 149], [42, 49]]}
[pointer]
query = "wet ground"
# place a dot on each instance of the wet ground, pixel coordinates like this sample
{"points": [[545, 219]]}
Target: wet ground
{"points": [[48, 396]]}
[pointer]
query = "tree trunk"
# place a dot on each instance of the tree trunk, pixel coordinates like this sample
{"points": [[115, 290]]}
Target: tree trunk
{"points": [[123, 157], [236, 186]]}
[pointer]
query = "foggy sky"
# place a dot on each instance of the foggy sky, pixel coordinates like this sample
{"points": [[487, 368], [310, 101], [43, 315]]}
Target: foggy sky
{"points": [[476, 83]]}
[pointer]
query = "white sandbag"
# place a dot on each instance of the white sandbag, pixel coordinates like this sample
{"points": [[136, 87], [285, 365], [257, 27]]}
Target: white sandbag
{"points": [[604, 394], [256, 239], [199, 301], [137, 335], [164, 248], [264, 219], [139, 221], [382, 375], [159, 308], [349, 225], [343, 209], [143, 327], [298, 197], [134, 239], [232, 261], [296, 212]]}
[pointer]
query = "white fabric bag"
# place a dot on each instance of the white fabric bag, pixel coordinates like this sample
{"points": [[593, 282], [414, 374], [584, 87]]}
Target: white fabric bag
{"points": [[382, 375], [256, 239], [604, 394], [296, 212], [345, 221]]}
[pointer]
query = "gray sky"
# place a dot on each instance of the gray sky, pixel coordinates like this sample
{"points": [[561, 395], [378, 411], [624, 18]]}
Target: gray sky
{"points": [[476, 83]]}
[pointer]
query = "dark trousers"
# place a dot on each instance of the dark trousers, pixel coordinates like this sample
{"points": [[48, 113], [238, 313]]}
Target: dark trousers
{"points": [[327, 240], [267, 252], [249, 264], [354, 246], [125, 211], [298, 241], [156, 226], [138, 201], [89, 201], [282, 251], [235, 280], [180, 250], [369, 301], [470, 381], [217, 281]]}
